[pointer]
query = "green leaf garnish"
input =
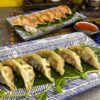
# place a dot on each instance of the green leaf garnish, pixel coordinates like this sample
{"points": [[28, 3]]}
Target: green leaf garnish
{"points": [[59, 84], [56, 50], [42, 96], [84, 76], [2, 93]]}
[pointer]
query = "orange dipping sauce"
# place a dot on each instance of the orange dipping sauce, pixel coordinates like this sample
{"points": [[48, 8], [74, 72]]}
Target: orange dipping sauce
{"points": [[87, 26]]}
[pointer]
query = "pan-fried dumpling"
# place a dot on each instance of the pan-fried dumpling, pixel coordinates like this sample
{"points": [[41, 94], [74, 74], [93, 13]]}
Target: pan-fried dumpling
{"points": [[23, 21], [71, 58], [51, 14], [87, 55], [37, 17], [55, 60], [58, 13], [63, 15], [40, 64], [45, 17], [65, 9], [7, 77], [25, 70]]}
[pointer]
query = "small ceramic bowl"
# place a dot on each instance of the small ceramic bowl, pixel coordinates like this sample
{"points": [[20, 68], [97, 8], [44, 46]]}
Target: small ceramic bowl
{"points": [[86, 27]]}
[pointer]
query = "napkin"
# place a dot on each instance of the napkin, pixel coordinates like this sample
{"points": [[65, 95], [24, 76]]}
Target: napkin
{"points": [[11, 3], [98, 38]]}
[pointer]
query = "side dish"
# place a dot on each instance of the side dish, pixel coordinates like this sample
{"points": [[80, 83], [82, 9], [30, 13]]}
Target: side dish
{"points": [[49, 15], [31, 22], [87, 26], [31, 25]]}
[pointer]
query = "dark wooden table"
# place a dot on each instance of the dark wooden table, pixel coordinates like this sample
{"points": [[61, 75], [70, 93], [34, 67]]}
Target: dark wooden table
{"points": [[9, 37]]}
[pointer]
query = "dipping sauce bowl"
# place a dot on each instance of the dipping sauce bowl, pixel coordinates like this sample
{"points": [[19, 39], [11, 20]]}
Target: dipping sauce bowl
{"points": [[86, 27]]}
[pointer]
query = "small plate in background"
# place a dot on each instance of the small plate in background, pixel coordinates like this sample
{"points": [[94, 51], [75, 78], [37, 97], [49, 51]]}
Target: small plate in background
{"points": [[47, 29]]}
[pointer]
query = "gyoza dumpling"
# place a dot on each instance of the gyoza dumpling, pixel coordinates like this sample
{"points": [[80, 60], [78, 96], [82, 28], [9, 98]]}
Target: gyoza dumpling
{"points": [[22, 68], [87, 55], [55, 60], [7, 77], [51, 14], [71, 58], [65, 9], [45, 17], [23, 21], [37, 17], [40, 64]]}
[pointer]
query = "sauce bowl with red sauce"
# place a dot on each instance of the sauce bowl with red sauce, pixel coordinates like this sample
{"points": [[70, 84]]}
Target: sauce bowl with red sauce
{"points": [[86, 27]]}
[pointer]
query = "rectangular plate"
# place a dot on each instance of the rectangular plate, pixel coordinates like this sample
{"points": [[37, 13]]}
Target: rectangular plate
{"points": [[76, 86], [46, 29]]}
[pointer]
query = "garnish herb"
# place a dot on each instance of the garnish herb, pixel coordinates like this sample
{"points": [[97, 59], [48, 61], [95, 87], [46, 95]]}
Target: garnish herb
{"points": [[59, 85], [43, 95]]}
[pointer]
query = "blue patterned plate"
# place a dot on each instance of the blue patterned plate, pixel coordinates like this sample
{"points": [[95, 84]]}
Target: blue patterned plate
{"points": [[77, 85], [44, 30]]}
